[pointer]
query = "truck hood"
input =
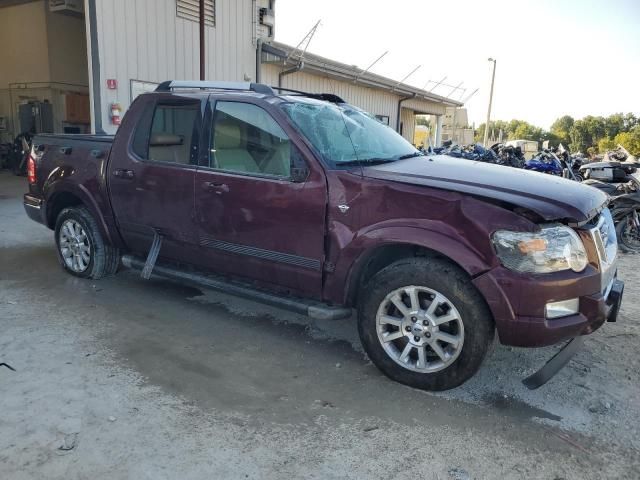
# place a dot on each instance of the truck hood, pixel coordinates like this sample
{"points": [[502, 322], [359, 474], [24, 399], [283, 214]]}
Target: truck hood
{"points": [[551, 197]]}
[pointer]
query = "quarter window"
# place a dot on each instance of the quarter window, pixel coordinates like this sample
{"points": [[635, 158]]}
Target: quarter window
{"points": [[247, 139]]}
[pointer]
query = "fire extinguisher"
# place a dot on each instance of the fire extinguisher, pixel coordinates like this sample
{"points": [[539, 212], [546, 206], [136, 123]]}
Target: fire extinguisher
{"points": [[115, 113]]}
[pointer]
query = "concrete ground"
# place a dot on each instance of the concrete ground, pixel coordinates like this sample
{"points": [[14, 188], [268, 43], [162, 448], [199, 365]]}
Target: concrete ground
{"points": [[125, 378]]}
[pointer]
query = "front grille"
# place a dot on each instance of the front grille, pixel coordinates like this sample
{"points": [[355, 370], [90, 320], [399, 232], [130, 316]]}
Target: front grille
{"points": [[603, 234]]}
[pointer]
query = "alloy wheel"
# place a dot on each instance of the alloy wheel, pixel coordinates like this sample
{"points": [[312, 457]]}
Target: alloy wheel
{"points": [[74, 245], [420, 329]]}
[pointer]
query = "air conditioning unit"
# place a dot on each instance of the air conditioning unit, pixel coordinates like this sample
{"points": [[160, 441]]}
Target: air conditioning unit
{"points": [[70, 7]]}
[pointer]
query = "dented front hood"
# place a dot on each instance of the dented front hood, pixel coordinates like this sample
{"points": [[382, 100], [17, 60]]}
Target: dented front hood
{"points": [[551, 197]]}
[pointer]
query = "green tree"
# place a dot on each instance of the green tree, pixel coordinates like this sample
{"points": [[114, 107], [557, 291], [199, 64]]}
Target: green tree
{"points": [[606, 143], [577, 135], [630, 140], [423, 120], [561, 129], [614, 124]]}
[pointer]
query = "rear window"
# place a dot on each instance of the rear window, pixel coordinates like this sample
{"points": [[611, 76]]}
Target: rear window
{"points": [[168, 132]]}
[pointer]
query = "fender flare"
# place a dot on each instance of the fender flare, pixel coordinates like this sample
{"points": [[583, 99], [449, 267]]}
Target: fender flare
{"points": [[53, 188]]}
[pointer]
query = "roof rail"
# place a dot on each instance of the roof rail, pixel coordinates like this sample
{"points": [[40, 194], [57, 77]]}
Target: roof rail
{"points": [[328, 97], [169, 85]]}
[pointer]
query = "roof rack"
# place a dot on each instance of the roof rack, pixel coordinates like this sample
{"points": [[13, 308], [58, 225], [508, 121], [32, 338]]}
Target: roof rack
{"points": [[169, 85], [328, 97]]}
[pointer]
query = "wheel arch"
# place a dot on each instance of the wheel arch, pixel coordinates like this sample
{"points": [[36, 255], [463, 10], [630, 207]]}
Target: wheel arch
{"points": [[71, 195], [427, 244]]}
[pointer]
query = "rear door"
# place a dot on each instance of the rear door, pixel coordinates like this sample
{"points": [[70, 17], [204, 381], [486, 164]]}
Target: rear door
{"points": [[152, 173], [258, 216]]}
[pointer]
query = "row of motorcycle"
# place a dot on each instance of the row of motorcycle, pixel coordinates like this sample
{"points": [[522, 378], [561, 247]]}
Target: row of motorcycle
{"points": [[615, 175]]}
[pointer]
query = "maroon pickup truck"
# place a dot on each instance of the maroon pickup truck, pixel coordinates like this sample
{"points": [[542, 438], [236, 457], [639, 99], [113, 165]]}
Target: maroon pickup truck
{"points": [[304, 202]]}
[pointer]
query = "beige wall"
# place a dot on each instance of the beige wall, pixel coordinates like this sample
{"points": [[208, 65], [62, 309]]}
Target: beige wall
{"points": [[23, 44]]}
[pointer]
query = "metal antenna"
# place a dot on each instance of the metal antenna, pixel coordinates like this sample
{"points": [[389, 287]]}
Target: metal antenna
{"points": [[407, 76], [308, 37], [436, 84], [367, 69], [469, 96], [457, 87]]}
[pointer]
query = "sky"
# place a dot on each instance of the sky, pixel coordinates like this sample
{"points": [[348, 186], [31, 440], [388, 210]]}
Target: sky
{"points": [[553, 57]]}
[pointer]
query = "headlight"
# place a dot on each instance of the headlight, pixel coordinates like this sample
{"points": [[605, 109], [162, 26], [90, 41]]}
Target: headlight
{"points": [[554, 248]]}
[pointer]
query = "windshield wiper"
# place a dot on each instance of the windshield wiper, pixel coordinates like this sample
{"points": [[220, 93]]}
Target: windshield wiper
{"points": [[410, 155], [367, 161]]}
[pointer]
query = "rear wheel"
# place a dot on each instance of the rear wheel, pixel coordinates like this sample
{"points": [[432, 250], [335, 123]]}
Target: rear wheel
{"points": [[423, 324], [81, 249]]}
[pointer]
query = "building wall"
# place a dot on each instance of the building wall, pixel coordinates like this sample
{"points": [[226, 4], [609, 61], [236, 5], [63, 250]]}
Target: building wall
{"points": [[145, 40], [24, 50]]}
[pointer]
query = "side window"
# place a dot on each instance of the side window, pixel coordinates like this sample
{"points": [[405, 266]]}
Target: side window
{"points": [[170, 134], [247, 139]]}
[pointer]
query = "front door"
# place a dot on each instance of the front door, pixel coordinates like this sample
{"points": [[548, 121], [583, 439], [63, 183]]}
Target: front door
{"points": [[152, 176], [257, 219]]}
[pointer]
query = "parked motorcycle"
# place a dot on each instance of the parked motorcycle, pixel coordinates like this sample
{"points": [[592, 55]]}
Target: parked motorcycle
{"points": [[624, 206], [19, 153], [555, 162], [508, 155]]}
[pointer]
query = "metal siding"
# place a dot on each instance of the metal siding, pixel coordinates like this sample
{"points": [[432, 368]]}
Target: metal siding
{"points": [[408, 119], [376, 102], [145, 40]]}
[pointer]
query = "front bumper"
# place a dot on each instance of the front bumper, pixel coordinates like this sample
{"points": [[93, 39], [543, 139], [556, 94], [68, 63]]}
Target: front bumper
{"points": [[34, 207], [517, 304]]}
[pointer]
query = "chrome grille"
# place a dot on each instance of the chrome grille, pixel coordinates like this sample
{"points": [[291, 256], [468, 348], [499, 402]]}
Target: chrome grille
{"points": [[604, 238]]}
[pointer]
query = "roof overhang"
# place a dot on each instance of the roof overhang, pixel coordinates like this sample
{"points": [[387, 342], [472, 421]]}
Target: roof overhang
{"points": [[278, 53]]}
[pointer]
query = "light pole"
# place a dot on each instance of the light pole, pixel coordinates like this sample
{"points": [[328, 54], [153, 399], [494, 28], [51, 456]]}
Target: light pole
{"points": [[486, 125]]}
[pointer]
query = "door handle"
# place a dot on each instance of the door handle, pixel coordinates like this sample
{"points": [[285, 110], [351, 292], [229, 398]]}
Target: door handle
{"points": [[218, 188], [123, 173]]}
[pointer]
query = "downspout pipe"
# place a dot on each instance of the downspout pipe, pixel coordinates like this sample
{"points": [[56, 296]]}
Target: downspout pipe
{"points": [[289, 71], [259, 60], [402, 99]]}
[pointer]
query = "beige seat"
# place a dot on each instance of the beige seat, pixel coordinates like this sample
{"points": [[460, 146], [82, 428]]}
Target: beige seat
{"points": [[229, 151], [166, 147]]}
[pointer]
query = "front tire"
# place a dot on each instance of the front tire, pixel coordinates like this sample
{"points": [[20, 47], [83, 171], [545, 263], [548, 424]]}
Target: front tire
{"points": [[423, 324], [81, 249]]}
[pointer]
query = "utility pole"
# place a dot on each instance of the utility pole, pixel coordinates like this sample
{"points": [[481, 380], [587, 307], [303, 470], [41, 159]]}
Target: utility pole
{"points": [[486, 125]]}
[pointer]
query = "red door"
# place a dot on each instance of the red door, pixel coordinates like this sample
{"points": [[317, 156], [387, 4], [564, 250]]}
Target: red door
{"points": [[259, 217], [152, 174]]}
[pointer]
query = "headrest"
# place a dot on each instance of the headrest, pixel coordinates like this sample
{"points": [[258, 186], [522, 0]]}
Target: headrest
{"points": [[227, 136], [165, 140]]}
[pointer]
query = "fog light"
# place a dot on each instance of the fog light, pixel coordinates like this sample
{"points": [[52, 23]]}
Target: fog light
{"points": [[562, 309]]}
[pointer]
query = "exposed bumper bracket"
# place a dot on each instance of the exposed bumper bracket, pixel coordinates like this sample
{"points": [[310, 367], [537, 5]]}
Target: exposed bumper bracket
{"points": [[554, 365]]}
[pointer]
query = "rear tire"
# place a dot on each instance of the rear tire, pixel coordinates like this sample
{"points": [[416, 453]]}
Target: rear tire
{"points": [[81, 249], [626, 244], [438, 337]]}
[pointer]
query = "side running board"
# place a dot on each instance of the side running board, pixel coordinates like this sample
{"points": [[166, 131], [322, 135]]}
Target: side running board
{"points": [[152, 256], [310, 308]]}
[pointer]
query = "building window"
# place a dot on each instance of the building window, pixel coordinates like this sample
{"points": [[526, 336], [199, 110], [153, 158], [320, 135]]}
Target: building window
{"points": [[383, 119], [190, 10]]}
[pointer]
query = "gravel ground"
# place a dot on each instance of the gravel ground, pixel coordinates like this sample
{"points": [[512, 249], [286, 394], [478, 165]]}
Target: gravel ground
{"points": [[125, 378]]}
